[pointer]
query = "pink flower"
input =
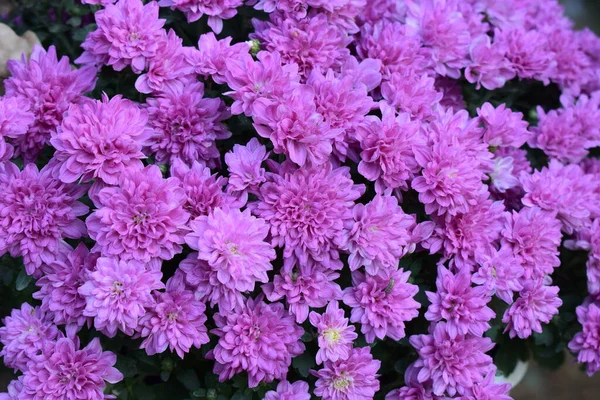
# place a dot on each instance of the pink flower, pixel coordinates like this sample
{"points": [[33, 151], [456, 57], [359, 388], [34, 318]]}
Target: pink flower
{"points": [[260, 339], [175, 321], [503, 127], [59, 287], [382, 303], [537, 304], [186, 125], [352, 378], [64, 371], [24, 334], [203, 191], [50, 86], [15, 120], [488, 67], [380, 235], [216, 10], [502, 178], [244, 166], [488, 389], [499, 273], [118, 293], [100, 140], [37, 213], [307, 209], [413, 93], [213, 57], [533, 236], [295, 128], [142, 218], [389, 146], [335, 335], [304, 286], [454, 364], [463, 307], [129, 33], [298, 390], [168, 70], [233, 244], [586, 343], [312, 43]]}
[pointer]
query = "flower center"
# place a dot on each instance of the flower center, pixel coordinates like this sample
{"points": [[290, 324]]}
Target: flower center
{"points": [[342, 382], [117, 288], [134, 36], [140, 217], [494, 274], [172, 316], [332, 335]]}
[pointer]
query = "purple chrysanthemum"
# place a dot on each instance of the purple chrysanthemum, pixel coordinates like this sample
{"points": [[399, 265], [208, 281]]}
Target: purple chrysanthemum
{"points": [[335, 335], [307, 209], [64, 371], [499, 272], [298, 390], [503, 127], [304, 286], [128, 33], [412, 93], [388, 148], [36, 213], [382, 304], [453, 364], [24, 334], [215, 10], [60, 284], [352, 378], [142, 218], [260, 339], [233, 245], [462, 306], [175, 321], [118, 293], [533, 236], [537, 304], [100, 140], [586, 343], [15, 120], [244, 166], [50, 86], [186, 125], [488, 66]]}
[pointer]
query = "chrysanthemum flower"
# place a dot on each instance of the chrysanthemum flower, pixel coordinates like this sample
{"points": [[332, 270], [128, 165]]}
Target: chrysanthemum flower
{"points": [[233, 244], [100, 140], [388, 148], [412, 93], [298, 390], [380, 235], [64, 371], [203, 190], [488, 389], [14, 390], [128, 34], [462, 306], [142, 218], [312, 43], [260, 339], [488, 66], [186, 125], [50, 86], [335, 335], [454, 364], [118, 293], [244, 166], [60, 284], [307, 209], [499, 272], [503, 127], [15, 120], [215, 10], [23, 335], [537, 304], [586, 343], [533, 236], [176, 321], [304, 286], [36, 213], [353, 378], [382, 304]]}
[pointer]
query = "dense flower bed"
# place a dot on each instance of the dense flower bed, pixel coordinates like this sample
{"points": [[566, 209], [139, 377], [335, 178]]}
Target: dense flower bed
{"points": [[295, 199]]}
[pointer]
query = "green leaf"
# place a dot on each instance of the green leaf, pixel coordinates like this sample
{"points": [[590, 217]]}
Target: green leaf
{"points": [[144, 391], [199, 394], [127, 366], [189, 379], [74, 21], [23, 280], [303, 363], [165, 375], [545, 338]]}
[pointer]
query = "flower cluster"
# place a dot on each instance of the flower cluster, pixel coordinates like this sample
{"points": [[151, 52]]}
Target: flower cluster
{"points": [[270, 206]]}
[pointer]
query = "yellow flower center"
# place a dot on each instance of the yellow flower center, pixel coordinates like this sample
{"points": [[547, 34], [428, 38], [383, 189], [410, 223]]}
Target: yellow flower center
{"points": [[332, 335], [342, 383]]}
